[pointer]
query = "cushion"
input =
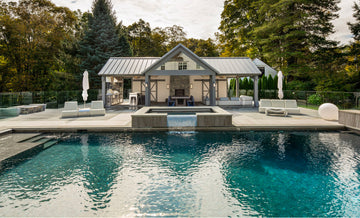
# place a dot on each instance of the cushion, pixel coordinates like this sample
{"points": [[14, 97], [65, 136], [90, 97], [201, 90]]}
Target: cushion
{"points": [[265, 103], [246, 98], [97, 105], [290, 104], [71, 105], [234, 99], [224, 99], [277, 103]]}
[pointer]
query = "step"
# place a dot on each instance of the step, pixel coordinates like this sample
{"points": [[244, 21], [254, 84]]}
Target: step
{"points": [[50, 143]]}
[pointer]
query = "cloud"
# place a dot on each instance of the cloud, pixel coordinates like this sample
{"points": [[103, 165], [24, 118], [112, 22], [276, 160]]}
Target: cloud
{"points": [[199, 18], [342, 31]]}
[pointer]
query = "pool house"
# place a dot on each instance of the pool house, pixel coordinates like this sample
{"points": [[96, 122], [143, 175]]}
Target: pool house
{"points": [[177, 76]]}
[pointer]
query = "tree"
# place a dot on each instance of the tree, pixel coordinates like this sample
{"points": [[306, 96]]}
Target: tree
{"points": [[286, 33], [353, 68], [101, 41], [140, 38], [32, 33], [201, 47]]}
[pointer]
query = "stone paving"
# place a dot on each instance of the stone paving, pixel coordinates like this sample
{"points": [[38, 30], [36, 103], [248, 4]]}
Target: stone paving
{"points": [[243, 118]]}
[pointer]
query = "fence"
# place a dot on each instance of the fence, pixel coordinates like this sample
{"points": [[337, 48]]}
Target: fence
{"points": [[52, 99], [344, 100]]}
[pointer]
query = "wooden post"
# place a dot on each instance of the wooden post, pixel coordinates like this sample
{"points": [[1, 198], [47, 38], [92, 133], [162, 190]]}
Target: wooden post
{"points": [[212, 90], [103, 90], [237, 86], [147, 90], [256, 91]]}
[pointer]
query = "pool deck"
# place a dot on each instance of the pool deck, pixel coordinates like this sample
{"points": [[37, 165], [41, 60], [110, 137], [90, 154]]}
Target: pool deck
{"points": [[244, 119], [25, 127]]}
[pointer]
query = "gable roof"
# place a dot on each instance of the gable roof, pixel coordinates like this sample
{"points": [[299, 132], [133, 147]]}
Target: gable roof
{"points": [[128, 66], [173, 52]]}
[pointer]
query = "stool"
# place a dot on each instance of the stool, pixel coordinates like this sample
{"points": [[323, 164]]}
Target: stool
{"points": [[133, 97]]}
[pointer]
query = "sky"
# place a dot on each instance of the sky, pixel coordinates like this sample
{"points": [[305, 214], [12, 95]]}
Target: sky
{"points": [[199, 18]]}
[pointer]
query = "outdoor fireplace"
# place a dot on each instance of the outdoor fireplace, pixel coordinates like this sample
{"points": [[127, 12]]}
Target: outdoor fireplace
{"points": [[179, 92]]}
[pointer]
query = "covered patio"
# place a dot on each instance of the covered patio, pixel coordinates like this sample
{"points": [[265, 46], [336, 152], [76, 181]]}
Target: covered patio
{"points": [[177, 76]]}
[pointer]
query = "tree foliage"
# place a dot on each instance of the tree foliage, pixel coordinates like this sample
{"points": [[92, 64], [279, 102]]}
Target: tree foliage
{"points": [[101, 41], [287, 34], [32, 33]]}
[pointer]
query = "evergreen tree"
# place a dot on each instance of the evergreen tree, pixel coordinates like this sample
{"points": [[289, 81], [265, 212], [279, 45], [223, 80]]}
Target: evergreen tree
{"points": [[101, 41], [285, 32], [354, 69]]}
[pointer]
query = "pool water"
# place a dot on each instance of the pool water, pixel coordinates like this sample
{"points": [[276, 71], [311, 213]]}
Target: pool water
{"points": [[189, 174]]}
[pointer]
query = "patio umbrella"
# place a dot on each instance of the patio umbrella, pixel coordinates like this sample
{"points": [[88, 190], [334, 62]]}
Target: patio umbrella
{"points": [[280, 85], [85, 85]]}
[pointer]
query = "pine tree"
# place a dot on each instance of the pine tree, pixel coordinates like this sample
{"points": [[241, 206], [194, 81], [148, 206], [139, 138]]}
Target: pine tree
{"points": [[101, 41]]}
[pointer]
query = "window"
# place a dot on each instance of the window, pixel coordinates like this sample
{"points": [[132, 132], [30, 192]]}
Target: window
{"points": [[163, 67], [197, 66], [182, 66]]}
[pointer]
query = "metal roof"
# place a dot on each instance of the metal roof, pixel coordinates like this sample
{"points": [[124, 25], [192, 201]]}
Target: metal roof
{"points": [[137, 65], [261, 63], [127, 65], [233, 65]]}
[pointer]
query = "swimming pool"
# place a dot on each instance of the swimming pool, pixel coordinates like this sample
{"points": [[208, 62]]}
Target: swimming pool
{"points": [[188, 174]]}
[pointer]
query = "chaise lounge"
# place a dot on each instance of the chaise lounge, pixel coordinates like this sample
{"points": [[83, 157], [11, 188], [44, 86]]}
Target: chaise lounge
{"points": [[97, 108], [70, 109]]}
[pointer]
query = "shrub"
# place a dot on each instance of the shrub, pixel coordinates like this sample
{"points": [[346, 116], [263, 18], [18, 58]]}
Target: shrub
{"points": [[314, 99]]}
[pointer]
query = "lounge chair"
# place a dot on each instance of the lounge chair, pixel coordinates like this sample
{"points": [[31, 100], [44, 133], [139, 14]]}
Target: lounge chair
{"points": [[191, 101], [97, 108], [171, 102], [70, 109]]}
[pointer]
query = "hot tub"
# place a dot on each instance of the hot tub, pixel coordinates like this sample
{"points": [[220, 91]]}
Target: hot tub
{"points": [[159, 117]]}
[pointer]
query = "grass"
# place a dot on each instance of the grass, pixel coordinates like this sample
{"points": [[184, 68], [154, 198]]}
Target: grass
{"points": [[313, 107]]}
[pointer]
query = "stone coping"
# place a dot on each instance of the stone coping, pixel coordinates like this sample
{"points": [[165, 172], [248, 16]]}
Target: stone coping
{"points": [[218, 117]]}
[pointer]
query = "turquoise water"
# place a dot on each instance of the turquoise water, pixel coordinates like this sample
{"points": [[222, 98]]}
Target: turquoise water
{"points": [[188, 174]]}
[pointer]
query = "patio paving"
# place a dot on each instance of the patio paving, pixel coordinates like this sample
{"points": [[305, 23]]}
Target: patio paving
{"points": [[120, 120]]}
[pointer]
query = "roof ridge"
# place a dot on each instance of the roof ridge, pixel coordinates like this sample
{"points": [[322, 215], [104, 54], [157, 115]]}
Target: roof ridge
{"points": [[134, 57], [225, 57]]}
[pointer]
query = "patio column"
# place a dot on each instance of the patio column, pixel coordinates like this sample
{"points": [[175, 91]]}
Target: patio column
{"points": [[103, 89], [212, 90], [237, 86], [147, 90], [256, 91]]}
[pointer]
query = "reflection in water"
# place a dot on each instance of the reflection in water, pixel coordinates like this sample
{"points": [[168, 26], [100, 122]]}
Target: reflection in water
{"points": [[191, 174]]}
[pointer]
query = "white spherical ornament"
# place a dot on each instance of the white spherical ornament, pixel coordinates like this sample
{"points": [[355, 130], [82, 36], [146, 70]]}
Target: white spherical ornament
{"points": [[328, 111]]}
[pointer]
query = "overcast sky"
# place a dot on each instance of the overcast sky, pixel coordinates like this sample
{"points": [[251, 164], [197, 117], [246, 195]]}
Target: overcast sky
{"points": [[199, 18]]}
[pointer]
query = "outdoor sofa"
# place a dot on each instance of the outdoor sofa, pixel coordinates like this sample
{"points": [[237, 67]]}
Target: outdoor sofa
{"points": [[243, 100], [71, 109], [290, 106]]}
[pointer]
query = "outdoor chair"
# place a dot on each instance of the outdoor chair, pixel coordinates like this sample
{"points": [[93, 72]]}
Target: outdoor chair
{"points": [[97, 108], [171, 102], [70, 109], [191, 101]]}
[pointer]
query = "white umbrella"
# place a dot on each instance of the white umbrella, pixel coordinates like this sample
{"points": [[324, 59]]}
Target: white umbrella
{"points": [[280, 85], [85, 85]]}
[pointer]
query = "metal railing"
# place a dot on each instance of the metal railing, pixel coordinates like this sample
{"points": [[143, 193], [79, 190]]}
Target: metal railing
{"points": [[52, 99], [344, 100]]}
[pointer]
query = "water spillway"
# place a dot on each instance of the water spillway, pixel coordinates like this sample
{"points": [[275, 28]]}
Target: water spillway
{"points": [[183, 120]]}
